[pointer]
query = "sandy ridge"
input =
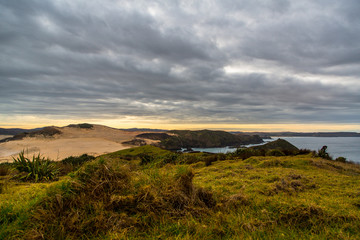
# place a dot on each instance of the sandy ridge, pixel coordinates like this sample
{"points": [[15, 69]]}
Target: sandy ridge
{"points": [[72, 142]]}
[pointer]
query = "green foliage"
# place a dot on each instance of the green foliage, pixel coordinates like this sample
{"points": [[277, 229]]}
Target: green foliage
{"points": [[146, 158], [340, 159], [35, 169], [77, 161], [245, 153], [4, 169], [275, 152], [304, 151], [279, 144], [205, 139], [72, 163]]}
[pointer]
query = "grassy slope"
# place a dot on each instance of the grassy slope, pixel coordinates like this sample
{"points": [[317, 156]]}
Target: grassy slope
{"points": [[298, 197]]}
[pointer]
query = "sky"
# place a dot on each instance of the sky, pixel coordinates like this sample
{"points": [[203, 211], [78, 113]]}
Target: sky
{"points": [[227, 64]]}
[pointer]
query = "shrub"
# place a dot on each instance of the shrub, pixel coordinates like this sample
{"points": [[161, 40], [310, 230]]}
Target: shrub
{"points": [[304, 151], [275, 152], [146, 158], [210, 159], [170, 158], [189, 159], [72, 163], [4, 169], [81, 125], [35, 169], [77, 161], [340, 159], [245, 153]]}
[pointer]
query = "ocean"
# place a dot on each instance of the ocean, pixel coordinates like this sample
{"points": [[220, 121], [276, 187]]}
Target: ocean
{"points": [[348, 147]]}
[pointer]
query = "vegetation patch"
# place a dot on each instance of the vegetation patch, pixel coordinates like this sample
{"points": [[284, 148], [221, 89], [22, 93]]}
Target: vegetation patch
{"points": [[280, 144], [81, 125], [135, 142], [72, 163], [34, 169]]}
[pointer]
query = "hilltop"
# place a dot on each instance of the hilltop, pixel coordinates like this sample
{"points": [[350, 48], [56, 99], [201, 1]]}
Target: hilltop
{"points": [[177, 139]]}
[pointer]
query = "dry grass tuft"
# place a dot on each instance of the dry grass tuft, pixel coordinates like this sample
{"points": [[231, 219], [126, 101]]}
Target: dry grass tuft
{"points": [[100, 199]]}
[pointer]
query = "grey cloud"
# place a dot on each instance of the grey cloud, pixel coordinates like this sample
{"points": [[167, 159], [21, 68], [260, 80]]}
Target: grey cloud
{"points": [[102, 60]]}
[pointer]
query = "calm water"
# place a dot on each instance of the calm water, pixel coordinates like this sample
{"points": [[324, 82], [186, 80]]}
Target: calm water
{"points": [[348, 147]]}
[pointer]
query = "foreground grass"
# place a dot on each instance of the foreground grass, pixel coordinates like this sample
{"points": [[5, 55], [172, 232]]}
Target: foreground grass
{"points": [[117, 197]]}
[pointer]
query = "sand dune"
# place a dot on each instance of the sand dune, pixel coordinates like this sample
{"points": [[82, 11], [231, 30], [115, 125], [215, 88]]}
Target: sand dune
{"points": [[71, 142]]}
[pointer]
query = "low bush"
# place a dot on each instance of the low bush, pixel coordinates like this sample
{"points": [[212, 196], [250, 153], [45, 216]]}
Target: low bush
{"points": [[210, 159], [72, 163], [81, 125], [245, 153], [146, 158], [304, 151], [35, 169], [4, 169], [77, 161], [275, 152], [340, 159]]}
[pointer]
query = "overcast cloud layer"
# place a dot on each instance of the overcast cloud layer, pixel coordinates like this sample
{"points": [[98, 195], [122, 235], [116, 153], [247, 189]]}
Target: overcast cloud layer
{"points": [[186, 61]]}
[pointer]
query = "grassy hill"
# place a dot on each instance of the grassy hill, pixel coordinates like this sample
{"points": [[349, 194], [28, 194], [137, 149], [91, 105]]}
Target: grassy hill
{"points": [[177, 139], [151, 193], [279, 144]]}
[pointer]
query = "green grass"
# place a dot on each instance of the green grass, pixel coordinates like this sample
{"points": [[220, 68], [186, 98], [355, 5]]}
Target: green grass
{"points": [[262, 197]]}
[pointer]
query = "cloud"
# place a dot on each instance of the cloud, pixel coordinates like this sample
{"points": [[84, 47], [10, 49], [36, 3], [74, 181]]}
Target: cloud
{"points": [[291, 62]]}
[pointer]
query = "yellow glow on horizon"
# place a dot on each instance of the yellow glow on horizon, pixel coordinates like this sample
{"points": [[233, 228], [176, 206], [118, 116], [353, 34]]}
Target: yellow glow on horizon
{"points": [[137, 122]]}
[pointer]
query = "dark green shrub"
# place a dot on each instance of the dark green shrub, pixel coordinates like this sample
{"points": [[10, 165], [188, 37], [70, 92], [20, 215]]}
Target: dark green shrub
{"points": [[146, 158], [81, 125], [35, 169], [245, 153], [304, 151], [77, 161], [275, 152], [170, 158], [340, 159], [85, 125], [210, 159], [72, 163], [221, 156], [189, 159], [4, 169]]}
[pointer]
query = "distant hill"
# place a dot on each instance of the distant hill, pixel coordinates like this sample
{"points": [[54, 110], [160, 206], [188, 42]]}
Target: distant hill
{"points": [[177, 139], [300, 134], [46, 132], [14, 131]]}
